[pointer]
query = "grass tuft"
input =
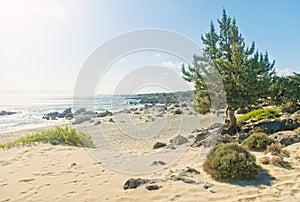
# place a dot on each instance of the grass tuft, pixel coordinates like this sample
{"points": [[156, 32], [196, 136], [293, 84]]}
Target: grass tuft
{"points": [[266, 113], [63, 136]]}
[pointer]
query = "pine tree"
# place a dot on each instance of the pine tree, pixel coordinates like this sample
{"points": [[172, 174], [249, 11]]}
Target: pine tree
{"points": [[246, 74]]}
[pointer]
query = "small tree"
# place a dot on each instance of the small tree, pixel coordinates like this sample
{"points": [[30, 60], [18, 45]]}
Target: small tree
{"points": [[245, 73], [286, 90]]}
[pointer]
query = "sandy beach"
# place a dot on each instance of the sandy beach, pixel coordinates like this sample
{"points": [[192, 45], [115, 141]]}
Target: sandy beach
{"points": [[45, 172]]}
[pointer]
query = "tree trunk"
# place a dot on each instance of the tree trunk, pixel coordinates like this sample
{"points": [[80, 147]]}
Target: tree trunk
{"points": [[231, 119]]}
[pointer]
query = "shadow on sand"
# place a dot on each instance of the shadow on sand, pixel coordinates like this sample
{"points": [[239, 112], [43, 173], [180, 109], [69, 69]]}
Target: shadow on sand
{"points": [[263, 178]]}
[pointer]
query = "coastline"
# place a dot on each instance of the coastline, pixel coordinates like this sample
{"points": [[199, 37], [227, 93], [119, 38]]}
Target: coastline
{"points": [[45, 172]]}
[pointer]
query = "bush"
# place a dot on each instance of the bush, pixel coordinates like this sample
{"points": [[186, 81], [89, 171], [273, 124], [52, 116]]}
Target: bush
{"points": [[65, 136], [264, 160], [258, 130], [258, 141], [276, 149], [266, 113], [230, 162], [226, 139], [279, 162]]}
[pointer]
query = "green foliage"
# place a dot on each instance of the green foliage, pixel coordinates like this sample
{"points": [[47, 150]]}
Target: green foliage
{"points": [[245, 73], [265, 113], [258, 141], [285, 91], [258, 130], [230, 162], [226, 138], [65, 136]]}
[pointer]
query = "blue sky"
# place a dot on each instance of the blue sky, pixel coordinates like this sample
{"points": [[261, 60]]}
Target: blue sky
{"points": [[45, 43]]}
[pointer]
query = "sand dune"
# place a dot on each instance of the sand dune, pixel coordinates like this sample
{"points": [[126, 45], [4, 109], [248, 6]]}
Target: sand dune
{"points": [[61, 173]]}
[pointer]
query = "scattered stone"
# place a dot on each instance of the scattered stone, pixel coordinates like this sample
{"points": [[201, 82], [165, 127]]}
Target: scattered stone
{"points": [[155, 163], [111, 120], [67, 114], [159, 145], [55, 142], [184, 105], [215, 125], [191, 136], [188, 181], [207, 185], [179, 140], [177, 111], [134, 183], [191, 170], [73, 164], [97, 123], [153, 187], [92, 121], [103, 114]]}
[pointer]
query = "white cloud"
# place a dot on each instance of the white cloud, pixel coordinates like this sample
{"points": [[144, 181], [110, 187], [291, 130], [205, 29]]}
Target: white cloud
{"points": [[172, 64], [284, 72]]}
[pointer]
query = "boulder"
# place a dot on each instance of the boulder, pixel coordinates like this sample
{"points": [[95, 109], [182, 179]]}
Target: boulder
{"points": [[81, 119], [286, 137], [103, 114], [184, 105], [177, 111], [79, 111], [179, 140], [134, 183], [159, 145], [152, 187]]}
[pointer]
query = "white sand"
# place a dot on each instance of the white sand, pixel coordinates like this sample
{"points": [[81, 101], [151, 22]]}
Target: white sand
{"points": [[62, 173]]}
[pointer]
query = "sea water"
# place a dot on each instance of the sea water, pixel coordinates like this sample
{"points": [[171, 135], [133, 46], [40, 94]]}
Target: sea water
{"points": [[30, 108]]}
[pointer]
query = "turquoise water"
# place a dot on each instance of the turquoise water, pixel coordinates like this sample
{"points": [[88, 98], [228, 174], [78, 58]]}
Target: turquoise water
{"points": [[30, 108]]}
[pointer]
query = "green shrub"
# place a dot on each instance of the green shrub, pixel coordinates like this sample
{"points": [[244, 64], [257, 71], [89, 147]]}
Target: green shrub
{"points": [[230, 162], [226, 138], [258, 130], [64, 136], [260, 114], [258, 141]]}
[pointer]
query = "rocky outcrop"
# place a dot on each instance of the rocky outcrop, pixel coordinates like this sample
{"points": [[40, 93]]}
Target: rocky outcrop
{"points": [[272, 126], [286, 137], [67, 114]]}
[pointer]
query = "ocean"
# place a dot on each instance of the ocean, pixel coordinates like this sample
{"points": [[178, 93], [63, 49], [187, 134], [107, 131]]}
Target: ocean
{"points": [[30, 108]]}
